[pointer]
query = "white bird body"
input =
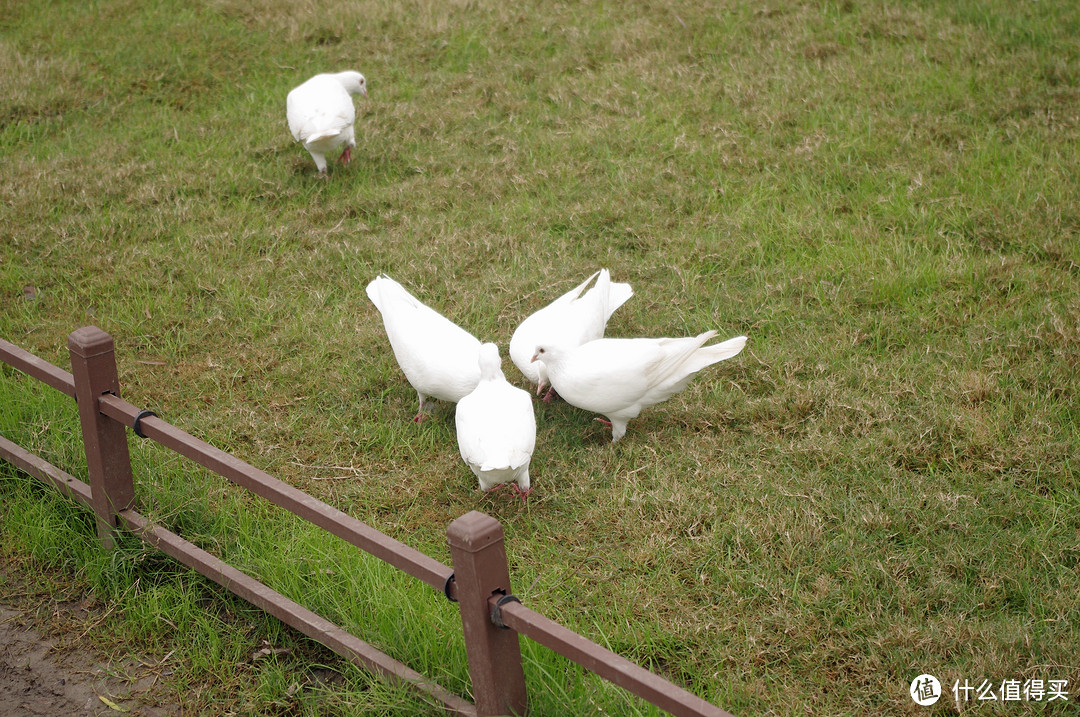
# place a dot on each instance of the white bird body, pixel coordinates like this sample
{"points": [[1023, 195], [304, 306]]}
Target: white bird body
{"points": [[496, 427], [438, 357], [321, 115], [575, 318], [619, 377]]}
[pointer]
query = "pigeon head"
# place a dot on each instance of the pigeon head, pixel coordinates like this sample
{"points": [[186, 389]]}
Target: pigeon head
{"points": [[353, 82], [490, 363], [541, 370]]}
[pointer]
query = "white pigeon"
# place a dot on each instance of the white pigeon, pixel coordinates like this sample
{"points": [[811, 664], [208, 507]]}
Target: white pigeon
{"points": [[321, 114], [619, 377], [575, 318], [496, 428], [438, 357]]}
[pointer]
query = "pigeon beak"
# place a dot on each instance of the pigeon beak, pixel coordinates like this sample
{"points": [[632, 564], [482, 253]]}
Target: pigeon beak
{"points": [[534, 358], [540, 387]]}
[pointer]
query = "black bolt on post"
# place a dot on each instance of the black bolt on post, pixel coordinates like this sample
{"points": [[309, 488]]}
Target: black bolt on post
{"points": [[108, 463], [480, 572]]}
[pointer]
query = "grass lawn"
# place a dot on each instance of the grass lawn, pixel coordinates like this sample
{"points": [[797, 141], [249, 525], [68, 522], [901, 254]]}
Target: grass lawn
{"points": [[884, 197]]}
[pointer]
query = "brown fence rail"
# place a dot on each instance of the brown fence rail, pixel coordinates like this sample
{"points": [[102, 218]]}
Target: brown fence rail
{"points": [[492, 618]]}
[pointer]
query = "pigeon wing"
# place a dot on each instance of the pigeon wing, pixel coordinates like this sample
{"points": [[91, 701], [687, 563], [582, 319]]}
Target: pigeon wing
{"points": [[496, 427], [319, 109]]}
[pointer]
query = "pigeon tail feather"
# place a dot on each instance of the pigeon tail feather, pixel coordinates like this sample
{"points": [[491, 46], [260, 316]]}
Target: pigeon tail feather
{"points": [[708, 355], [618, 294], [322, 134], [577, 291]]}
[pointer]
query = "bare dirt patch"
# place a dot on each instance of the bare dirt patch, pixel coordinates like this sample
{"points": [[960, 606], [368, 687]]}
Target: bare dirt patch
{"points": [[41, 675]]}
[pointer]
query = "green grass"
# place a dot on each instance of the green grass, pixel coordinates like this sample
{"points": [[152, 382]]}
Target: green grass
{"points": [[884, 197]]}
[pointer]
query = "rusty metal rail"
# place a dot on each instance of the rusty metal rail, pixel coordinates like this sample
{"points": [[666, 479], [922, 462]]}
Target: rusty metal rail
{"points": [[288, 611], [609, 665], [291, 613], [308, 507], [46, 472], [492, 618], [37, 368]]}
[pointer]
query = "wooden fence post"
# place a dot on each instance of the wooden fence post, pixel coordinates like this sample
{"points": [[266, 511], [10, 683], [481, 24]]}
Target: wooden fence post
{"points": [[480, 571], [108, 463]]}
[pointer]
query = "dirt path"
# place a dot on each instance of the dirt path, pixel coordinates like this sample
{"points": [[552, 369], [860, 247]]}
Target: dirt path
{"points": [[38, 677]]}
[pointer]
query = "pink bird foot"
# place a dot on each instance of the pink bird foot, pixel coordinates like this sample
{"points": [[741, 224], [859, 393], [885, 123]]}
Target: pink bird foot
{"points": [[523, 494], [423, 411], [603, 421], [346, 156]]}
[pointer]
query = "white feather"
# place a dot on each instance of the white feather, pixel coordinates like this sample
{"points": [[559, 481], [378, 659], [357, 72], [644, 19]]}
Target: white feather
{"points": [[575, 318], [496, 427], [321, 115], [438, 357], [619, 377]]}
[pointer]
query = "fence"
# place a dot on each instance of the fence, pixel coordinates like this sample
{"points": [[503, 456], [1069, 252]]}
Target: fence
{"points": [[491, 617]]}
